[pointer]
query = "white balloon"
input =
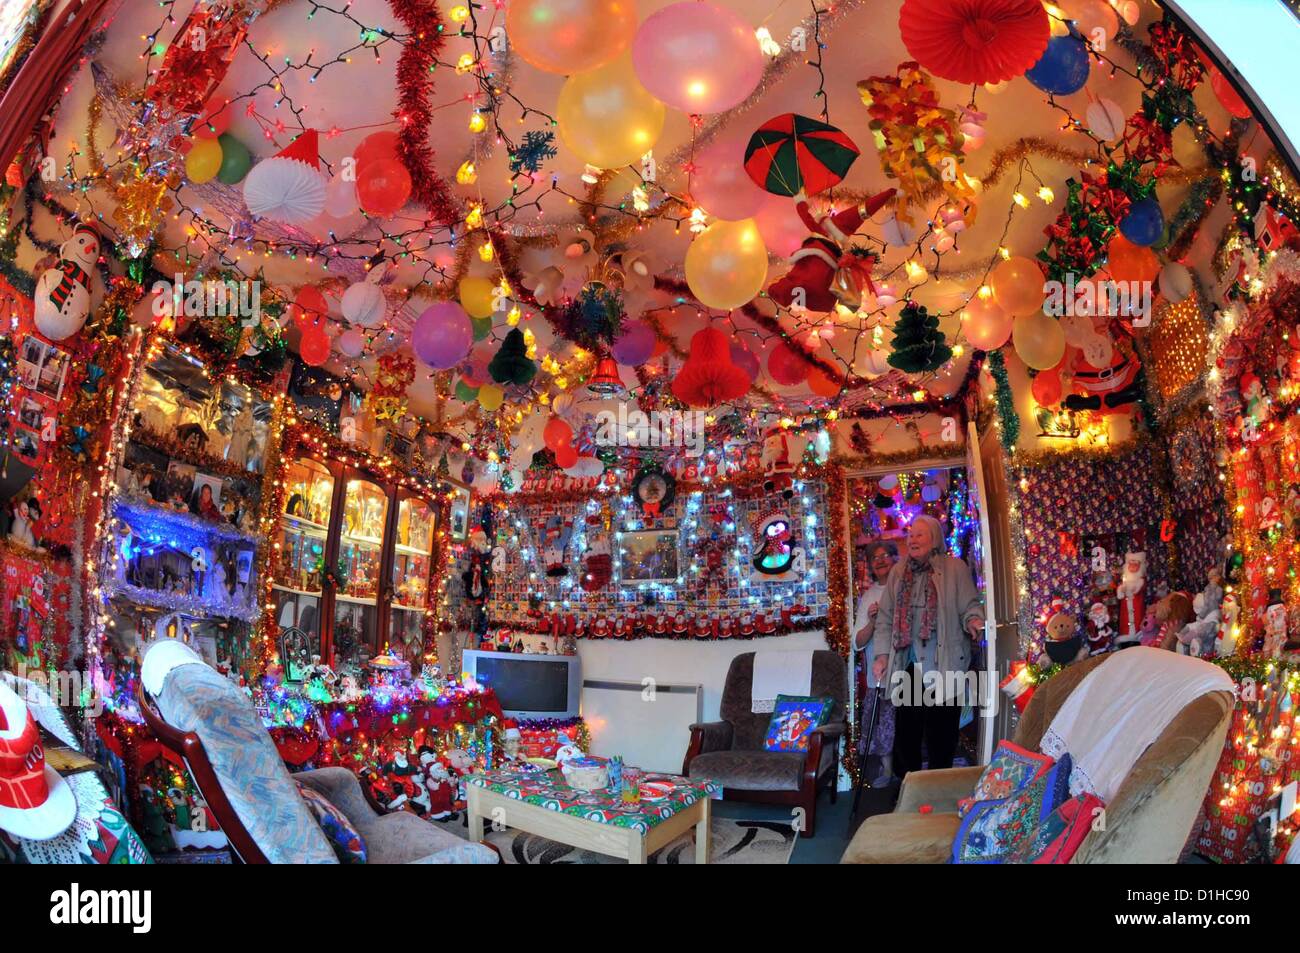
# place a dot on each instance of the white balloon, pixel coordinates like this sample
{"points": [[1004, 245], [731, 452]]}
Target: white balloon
{"points": [[363, 305], [1175, 282], [1105, 119], [285, 190], [586, 467]]}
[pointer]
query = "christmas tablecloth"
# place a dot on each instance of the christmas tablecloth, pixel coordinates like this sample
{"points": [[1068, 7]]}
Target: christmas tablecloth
{"points": [[547, 789]]}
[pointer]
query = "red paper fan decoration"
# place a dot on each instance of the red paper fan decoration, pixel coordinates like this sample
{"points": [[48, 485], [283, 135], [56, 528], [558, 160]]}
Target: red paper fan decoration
{"points": [[975, 41], [709, 377]]}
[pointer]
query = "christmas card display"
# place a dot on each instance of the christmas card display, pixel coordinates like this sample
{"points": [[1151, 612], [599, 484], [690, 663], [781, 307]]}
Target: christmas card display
{"points": [[715, 562]]}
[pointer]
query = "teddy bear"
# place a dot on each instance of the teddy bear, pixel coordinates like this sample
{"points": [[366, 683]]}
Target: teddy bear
{"points": [[1197, 637], [1062, 642], [1173, 612]]}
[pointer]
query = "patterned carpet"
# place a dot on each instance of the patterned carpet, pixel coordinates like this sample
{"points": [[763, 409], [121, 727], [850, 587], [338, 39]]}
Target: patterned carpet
{"points": [[734, 842]]}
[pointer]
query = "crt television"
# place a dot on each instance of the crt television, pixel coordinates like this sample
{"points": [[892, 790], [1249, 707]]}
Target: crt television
{"points": [[528, 686]]}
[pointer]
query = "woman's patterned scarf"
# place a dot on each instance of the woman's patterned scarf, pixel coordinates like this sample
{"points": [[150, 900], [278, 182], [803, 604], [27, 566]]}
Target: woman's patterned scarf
{"points": [[903, 604]]}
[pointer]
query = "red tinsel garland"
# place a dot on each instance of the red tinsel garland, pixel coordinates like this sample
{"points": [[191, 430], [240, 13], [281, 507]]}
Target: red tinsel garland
{"points": [[414, 87]]}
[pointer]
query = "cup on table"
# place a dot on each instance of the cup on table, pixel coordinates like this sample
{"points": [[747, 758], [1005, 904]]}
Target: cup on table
{"points": [[631, 785]]}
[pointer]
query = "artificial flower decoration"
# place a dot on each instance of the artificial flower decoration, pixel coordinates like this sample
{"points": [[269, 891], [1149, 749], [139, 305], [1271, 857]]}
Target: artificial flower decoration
{"points": [[975, 41]]}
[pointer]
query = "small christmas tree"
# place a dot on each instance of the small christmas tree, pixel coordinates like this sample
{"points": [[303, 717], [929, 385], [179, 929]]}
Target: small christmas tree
{"points": [[512, 365], [918, 344]]}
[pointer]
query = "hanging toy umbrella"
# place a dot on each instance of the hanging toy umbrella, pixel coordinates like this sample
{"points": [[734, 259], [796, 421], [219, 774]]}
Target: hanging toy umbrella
{"points": [[975, 41], [792, 154]]}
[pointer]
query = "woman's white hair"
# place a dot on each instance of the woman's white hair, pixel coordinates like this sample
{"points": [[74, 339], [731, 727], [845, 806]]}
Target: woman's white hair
{"points": [[935, 529]]}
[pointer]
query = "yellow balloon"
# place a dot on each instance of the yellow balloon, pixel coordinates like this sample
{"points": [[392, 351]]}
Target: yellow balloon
{"points": [[606, 117], [1039, 340], [490, 397], [570, 36], [726, 265], [1018, 286], [478, 297], [203, 161]]}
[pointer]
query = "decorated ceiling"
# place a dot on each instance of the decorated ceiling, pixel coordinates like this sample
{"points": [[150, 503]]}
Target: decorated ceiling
{"points": [[478, 209]]}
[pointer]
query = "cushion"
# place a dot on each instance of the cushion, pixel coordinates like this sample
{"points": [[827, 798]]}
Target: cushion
{"points": [[902, 839], [349, 846], [1057, 838], [1010, 772], [793, 719], [752, 770], [992, 830]]}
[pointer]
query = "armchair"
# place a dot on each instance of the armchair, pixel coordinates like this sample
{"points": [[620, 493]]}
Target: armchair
{"points": [[206, 721], [1147, 821], [730, 751]]}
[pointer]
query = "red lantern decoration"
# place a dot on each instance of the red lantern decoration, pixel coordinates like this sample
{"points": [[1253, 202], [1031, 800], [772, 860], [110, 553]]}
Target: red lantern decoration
{"points": [[787, 366], [975, 41], [709, 377]]}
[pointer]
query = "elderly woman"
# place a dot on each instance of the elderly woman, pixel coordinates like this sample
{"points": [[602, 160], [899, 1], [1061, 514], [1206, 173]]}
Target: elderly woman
{"points": [[880, 557], [929, 614]]}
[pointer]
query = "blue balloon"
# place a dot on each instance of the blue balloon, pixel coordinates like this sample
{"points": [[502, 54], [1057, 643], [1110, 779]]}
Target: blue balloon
{"points": [[1144, 223], [1063, 68]]}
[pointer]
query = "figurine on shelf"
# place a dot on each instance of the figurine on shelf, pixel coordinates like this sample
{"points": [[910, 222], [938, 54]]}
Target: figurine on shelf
{"points": [[26, 514], [1132, 600], [1226, 643]]}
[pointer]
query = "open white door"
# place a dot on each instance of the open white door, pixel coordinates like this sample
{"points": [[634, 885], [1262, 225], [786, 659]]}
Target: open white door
{"points": [[987, 714]]}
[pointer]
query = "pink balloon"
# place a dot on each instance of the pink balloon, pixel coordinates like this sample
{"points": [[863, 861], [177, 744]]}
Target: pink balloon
{"points": [[720, 184], [746, 360], [442, 335], [340, 197], [697, 57], [635, 345], [780, 225], [351, 343]]}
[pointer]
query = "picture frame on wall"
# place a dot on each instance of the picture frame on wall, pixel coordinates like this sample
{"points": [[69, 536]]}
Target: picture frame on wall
{"points": [[462, 499], [649, 556]]}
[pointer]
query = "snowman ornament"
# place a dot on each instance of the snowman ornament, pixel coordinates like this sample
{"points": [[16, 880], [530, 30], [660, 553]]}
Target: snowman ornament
{"points": [[62, 297]]}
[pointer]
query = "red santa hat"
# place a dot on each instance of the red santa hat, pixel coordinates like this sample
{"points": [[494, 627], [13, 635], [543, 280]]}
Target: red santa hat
{"points": [[35, 802]]}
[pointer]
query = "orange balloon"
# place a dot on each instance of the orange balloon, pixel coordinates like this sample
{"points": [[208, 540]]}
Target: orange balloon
{"points": [[1017, 286], [823, 384], [1128, 262], [570, 36]]}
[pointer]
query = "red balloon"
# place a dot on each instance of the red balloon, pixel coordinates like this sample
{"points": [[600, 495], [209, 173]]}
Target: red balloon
{"points": [[1228, 96], [557, 433], [565, 456], [309, 308], [314, 348], [217, 113], [787, 366], [377, 145], [383, 187], [1046, 387]]}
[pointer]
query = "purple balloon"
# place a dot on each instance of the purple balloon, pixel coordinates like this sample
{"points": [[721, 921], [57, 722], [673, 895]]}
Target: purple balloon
{"points": [[697, 57], [744, 358], [635, 345], [442, 335]]}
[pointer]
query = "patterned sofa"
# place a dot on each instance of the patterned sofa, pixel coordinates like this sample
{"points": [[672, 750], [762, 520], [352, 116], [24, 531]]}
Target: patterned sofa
{"points": [[208, 721]]}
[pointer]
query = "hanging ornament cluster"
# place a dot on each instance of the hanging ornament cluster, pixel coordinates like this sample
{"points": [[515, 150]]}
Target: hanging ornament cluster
{"points": [[190, 70], [394, 373], [919, 141], [594, 318], [918, 345]]}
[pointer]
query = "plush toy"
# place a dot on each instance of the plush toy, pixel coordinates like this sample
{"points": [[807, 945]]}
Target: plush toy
{"points": [[1132, 601], [1062, 642], [555, 540], [1226, 642], [598, 565], [826, 268], [22, 531], [1173, 612], [1197, 637], [439, 787], [62, 296]]}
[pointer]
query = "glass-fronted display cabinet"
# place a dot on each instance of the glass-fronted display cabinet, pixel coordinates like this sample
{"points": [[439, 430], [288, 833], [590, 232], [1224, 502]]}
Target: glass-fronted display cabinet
{"points": [[304, 546], [412, 559], [361, 552]]}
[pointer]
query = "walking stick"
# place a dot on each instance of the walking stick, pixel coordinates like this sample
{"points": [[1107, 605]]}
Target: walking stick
{"points": [[862, 757]]}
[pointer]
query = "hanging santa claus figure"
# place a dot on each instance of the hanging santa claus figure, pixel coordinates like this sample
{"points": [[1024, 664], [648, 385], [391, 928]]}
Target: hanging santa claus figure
{"points": [[827, 268], [1132, 598]]}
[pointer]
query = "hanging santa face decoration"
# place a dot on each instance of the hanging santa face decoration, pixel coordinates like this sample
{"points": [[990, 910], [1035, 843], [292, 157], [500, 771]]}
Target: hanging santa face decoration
{"points": [[62, 296]]}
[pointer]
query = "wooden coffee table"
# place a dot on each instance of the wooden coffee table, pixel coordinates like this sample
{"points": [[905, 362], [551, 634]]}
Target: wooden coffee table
{"points": [[541, 803]]}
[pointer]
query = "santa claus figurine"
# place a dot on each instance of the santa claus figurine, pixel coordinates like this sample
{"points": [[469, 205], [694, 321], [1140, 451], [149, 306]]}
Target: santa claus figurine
{"points": [[827, 268], [1100, 632], [1132, 600]]}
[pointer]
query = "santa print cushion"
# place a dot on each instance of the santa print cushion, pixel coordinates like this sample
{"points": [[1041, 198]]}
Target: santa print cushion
{"points": [[992, 831], [1060, 836], [1010, 771], [348, 844], [793, 719]]}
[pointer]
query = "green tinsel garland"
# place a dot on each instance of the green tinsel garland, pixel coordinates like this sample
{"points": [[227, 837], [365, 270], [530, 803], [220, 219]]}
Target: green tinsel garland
{"points": [[1010, 420]]}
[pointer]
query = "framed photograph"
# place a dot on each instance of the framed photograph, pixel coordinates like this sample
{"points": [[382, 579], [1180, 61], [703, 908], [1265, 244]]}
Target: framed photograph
{"points": [[649, 556], [458, 518], [31, 413], [27, 444], [205, 497], [43, 367]]}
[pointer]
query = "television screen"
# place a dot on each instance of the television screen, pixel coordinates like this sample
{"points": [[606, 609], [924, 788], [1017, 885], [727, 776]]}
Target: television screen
{"points": [[534, 685]]}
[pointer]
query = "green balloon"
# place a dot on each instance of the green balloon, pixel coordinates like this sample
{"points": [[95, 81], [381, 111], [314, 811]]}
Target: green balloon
{"points": [[482, 327], [465, 393], [235, 160]]}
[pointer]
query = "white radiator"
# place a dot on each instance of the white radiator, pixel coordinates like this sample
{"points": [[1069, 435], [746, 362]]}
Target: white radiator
{"points": [[649, 725]]}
